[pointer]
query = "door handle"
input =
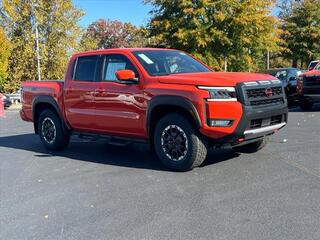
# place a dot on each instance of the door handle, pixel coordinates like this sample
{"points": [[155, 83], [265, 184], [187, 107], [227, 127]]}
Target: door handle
{"points": [[70, 90], [100, 92]]}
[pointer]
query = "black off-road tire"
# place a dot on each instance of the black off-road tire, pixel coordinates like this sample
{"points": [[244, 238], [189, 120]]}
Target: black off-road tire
{"points": [[61, 139], [252, 147], [197, 144], [305, 104]]}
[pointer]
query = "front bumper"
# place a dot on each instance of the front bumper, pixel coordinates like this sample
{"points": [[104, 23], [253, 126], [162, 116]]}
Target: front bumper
{"points": [[250, 122], [263, 130], [245, 130]]}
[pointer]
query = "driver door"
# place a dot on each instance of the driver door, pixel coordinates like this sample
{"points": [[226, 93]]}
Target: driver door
{"points": [[120, 107]]}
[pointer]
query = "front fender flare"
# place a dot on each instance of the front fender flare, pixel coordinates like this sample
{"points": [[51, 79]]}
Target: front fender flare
{"points": [[177, 101]]}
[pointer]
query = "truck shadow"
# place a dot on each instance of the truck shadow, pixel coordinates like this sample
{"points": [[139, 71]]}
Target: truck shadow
{"points": [[132, 156]]}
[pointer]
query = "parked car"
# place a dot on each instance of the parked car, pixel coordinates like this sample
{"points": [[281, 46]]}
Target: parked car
{"points": [[288, 77], [6, 100], [15, 97], [158, 96], [308, 88], [313, 64]]}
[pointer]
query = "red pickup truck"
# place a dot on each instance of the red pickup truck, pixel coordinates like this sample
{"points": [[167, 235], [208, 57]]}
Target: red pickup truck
{"points": [[163, 97], [308, 88]]}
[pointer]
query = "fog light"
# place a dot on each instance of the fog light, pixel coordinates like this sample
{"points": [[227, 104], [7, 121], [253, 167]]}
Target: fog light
{"points": [[219, 122]]}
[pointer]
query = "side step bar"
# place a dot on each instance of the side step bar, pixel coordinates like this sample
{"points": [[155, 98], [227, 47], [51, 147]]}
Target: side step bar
{"points": [[112, 140]]}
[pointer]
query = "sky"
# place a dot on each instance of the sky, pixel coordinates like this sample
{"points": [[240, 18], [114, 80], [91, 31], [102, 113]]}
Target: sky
{"points": [[133, 11]]}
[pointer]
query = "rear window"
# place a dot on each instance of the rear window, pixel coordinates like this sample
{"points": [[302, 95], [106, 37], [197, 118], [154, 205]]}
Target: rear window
{"points": [[85, 68]]}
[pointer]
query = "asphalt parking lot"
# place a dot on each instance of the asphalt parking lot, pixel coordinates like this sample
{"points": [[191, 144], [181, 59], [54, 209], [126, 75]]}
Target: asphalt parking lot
{"points": [[96, 191]]}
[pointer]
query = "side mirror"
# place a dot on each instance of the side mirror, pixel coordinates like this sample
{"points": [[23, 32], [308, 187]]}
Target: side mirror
{"points": [[126, 75]]}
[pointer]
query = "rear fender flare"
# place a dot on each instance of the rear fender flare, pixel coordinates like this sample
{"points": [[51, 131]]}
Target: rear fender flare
{"points": [[53, 103]]}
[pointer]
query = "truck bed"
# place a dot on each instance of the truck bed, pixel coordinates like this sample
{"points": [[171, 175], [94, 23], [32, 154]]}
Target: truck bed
{"points": [[32, 89]]}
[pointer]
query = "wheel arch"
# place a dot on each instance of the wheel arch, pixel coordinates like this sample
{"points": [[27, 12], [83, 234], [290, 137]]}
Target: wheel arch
{"points": [[41, 103], [162, 105]]}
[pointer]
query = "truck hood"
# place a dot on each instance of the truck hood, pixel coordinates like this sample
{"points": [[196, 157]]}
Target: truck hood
{"points": [[229, 79]]}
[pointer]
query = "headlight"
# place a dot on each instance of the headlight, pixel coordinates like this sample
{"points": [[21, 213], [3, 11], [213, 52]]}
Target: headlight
{"points": [[221, 94]]}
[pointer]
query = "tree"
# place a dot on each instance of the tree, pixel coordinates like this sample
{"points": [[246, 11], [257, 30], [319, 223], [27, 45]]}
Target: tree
{"points": [[16, 20], [111, 34], [5, 49], [301, 30], [237, 31], [58, 34]]}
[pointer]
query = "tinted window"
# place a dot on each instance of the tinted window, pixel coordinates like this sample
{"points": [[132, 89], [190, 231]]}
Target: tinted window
{"points": [[165, 62], [282, 75], [115, 62], [86, 68], [313, 64]]}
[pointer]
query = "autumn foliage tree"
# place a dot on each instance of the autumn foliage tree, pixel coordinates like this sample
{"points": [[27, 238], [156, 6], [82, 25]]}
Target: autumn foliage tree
{"points": [[111, 34], [239, 32], [58, 35], [301, 31], [5, 49]]}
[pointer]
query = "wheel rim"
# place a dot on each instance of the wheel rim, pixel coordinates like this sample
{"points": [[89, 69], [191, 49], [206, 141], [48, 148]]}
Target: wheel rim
{"points": [[48, 130], [174, 142]]}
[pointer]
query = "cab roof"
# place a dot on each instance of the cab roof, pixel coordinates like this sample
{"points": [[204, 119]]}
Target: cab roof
{"points": [[123, 50]]}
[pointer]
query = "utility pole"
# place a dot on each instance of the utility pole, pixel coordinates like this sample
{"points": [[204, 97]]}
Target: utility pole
{"points": [[268, 60], [225, 63], [37, 43], [37, 49]]}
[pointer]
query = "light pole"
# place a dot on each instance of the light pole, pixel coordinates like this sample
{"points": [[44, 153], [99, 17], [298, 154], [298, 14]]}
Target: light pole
{"points": [[37, 42], [37, 50], [268, 60]]}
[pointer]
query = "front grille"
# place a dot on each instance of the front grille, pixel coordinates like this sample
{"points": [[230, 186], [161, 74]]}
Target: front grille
{"points": [[265, 122], [263, 96], [311, 81], [256, 123], [311, 85], [267, 102], [260, 92], [276, 120]]}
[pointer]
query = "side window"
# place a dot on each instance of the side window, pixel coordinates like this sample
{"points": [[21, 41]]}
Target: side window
{"points": [[115, 62], [86, 69], [282, 75]]}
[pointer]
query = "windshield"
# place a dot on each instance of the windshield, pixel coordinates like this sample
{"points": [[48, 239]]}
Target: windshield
{"points": [[165, 62], [313, 64]]}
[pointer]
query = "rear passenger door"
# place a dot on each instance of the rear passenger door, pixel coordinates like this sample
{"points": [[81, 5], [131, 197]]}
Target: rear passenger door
{"points": [[79, 93], [120, 107]]}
